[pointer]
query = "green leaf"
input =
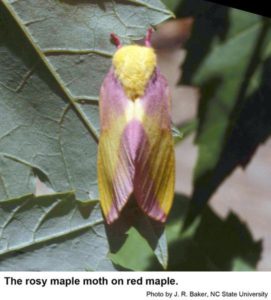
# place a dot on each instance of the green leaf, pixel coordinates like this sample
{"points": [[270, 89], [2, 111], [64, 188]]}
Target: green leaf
{"points": [[54, 55], [172, 4], [228, 74], [135, 254], [210, 243], [221, 79], [53, 233], [240, 265]]}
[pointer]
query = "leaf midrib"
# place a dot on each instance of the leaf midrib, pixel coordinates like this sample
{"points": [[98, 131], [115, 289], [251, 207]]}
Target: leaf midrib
{"points": [[49, 67], [47, 239]]}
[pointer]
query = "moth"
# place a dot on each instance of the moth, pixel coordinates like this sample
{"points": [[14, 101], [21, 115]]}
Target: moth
{"points": [[136, 150]]}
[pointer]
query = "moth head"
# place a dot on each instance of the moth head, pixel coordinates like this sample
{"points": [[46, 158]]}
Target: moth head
{"points": [[134, 66]]}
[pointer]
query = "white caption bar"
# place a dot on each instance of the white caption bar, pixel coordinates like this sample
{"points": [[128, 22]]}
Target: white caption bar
{"points": [[136, 285]]}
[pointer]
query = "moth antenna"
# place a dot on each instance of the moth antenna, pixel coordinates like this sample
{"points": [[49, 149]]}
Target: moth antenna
{"points": [[148, 37], [116, 40]]}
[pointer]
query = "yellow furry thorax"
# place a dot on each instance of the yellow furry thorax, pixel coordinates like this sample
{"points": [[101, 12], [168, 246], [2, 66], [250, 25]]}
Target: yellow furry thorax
{"points": [[134, 66]]}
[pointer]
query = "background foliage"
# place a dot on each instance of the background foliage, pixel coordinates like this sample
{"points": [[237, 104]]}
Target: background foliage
{"points": [[53, 57]]}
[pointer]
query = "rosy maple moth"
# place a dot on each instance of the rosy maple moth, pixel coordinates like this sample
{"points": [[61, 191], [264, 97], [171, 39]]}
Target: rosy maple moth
{"points": [[135, 151]]}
